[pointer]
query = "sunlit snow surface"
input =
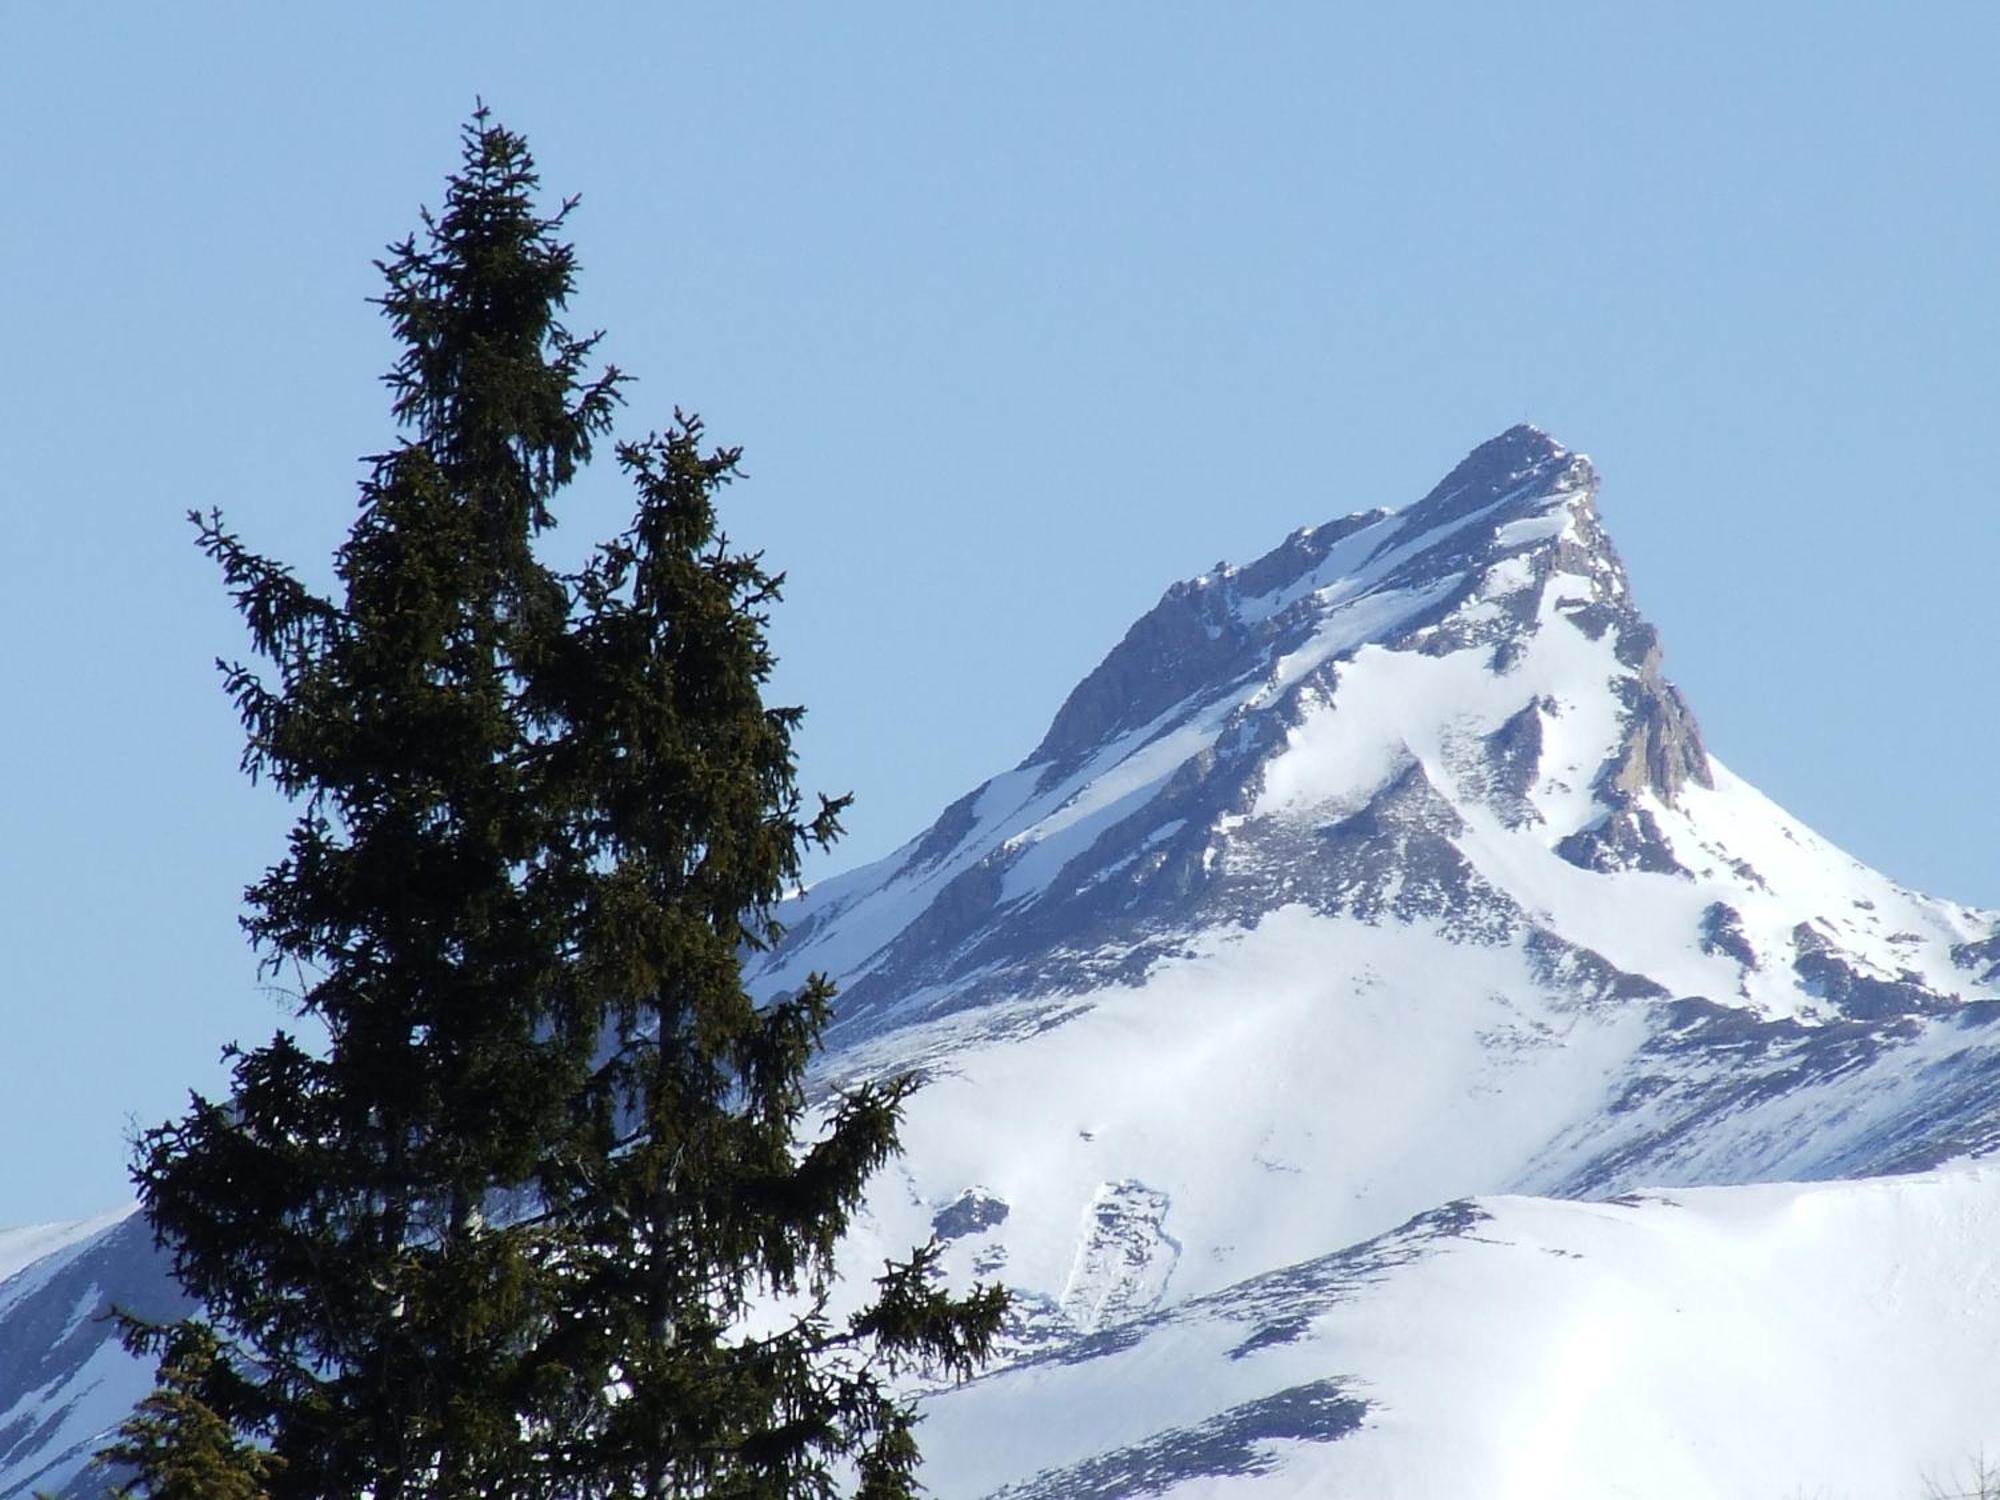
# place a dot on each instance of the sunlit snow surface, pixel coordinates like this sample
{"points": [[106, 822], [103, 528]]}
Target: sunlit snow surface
{"points": [[20, 1248], [1357, 886], [1746, 1343]]}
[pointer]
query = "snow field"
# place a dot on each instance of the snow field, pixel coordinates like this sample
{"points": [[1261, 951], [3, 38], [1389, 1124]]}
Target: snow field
{"points": [[1743, 1343]]}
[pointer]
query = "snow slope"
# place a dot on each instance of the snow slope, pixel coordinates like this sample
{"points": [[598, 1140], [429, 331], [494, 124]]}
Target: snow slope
{"points": [[1745, 1343]]}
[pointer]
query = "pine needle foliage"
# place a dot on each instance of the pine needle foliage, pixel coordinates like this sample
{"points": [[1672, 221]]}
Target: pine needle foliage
{"points": [[533, 1219], [175, 1440]]}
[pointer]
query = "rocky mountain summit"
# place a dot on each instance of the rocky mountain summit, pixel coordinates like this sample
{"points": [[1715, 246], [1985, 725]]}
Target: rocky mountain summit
{"points": [[1447, 723], [1356, 886]]}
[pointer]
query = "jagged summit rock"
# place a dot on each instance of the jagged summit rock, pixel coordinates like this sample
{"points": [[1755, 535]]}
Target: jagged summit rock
{"points": [[1523, 460], [1199, 627]]}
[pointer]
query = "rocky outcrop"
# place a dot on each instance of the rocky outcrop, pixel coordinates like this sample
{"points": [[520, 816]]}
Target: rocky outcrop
{"points": [[1831, 975]]}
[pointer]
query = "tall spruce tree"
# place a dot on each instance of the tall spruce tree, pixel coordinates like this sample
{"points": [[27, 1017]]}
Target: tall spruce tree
{"points": [[533, 1217]]}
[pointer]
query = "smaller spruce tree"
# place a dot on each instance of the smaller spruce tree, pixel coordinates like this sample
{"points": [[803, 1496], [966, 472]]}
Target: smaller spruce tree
{"points": [[175, 1446]]}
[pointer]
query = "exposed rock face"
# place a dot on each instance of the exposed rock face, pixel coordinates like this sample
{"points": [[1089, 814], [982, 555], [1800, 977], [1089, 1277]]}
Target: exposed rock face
{"points": [[972, 1212], [1982, 958], [1830, 975], [1722, 932], [1662, 750]]}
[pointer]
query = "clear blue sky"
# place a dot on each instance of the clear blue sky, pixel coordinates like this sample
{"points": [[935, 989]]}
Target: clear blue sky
{"points": [[1020, 312]]}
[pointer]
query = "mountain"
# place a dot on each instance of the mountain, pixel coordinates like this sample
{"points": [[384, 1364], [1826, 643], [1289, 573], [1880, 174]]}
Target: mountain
{"points": [[1382, 1049], [1383, 875]]}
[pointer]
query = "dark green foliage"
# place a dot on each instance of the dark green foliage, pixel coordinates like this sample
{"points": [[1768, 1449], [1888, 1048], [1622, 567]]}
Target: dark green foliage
{"points": [[533, 1221]]}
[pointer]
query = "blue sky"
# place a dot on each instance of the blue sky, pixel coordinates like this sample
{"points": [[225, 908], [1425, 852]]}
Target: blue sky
{"points": [[1020, 313]]}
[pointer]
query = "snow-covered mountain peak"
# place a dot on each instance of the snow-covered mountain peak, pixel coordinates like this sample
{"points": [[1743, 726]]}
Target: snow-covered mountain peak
{"points": [[1445, 713], [1385, 870], [1406, 804]]}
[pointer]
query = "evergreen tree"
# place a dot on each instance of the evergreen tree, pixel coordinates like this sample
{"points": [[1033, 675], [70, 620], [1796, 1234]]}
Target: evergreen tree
{"points": [[533, 1218], [176, 1446]]}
